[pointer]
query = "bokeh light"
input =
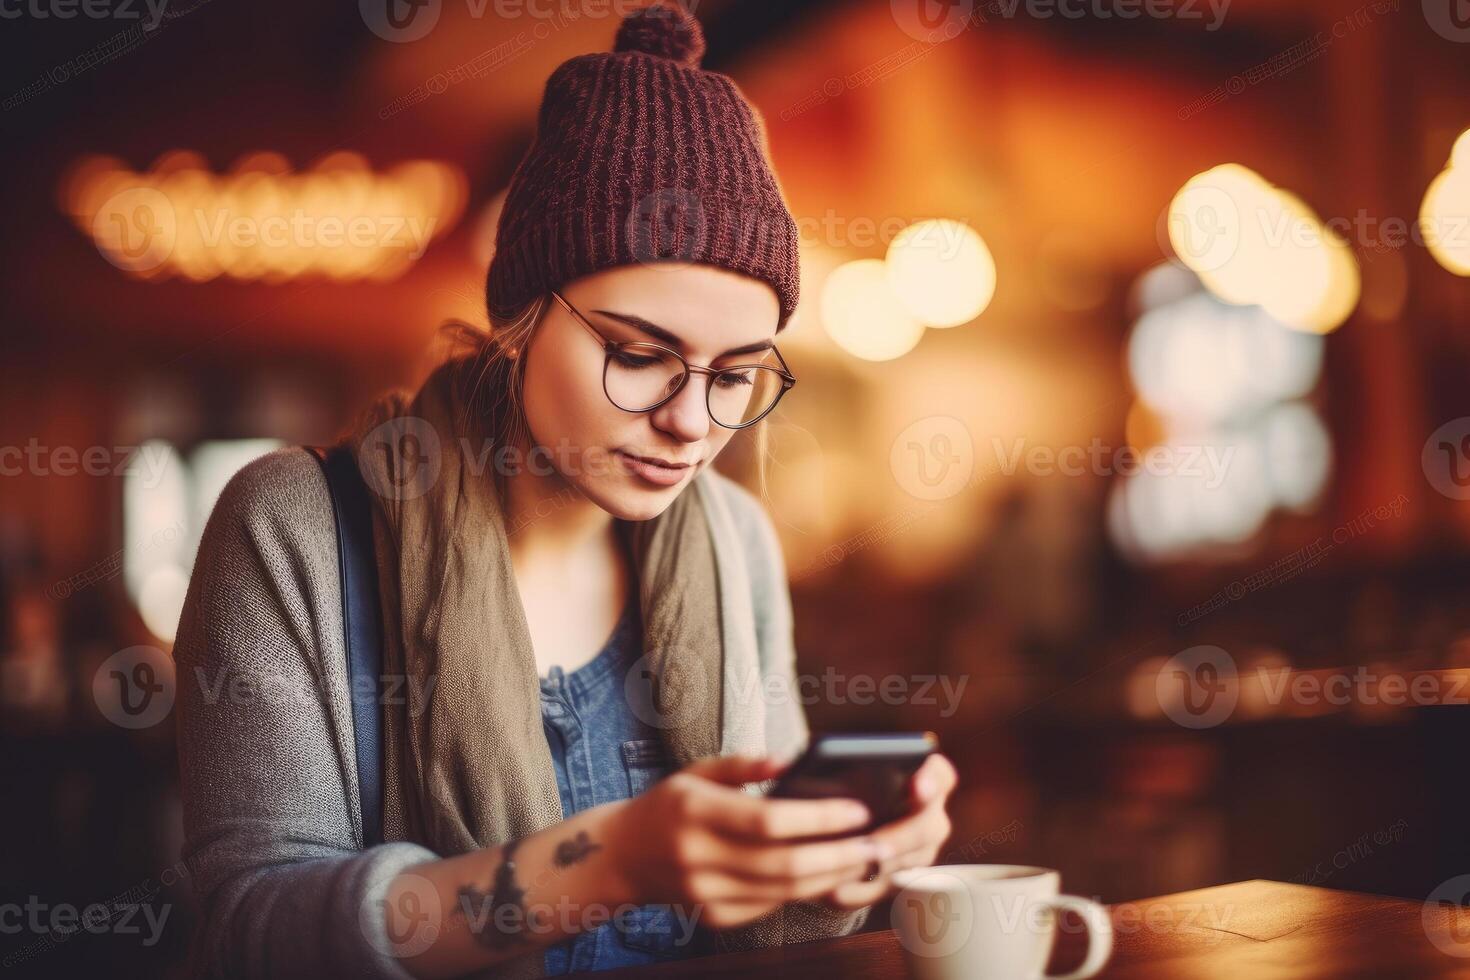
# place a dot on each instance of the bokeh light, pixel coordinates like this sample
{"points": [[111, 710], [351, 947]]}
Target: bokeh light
{"points": [[1444, 216], [862, 314], [338, 220], [1254, 244], [941, 271]]}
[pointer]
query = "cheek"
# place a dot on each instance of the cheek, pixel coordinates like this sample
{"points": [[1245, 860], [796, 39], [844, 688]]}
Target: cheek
{"points": [[719, 438], [564, 403]]}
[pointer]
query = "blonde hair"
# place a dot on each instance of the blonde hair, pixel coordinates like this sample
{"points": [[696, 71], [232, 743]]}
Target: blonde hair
{"points": [[490, 372]]}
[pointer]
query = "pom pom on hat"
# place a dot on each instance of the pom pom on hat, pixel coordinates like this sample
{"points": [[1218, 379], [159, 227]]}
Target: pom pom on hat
{"points": [[664, 30]]}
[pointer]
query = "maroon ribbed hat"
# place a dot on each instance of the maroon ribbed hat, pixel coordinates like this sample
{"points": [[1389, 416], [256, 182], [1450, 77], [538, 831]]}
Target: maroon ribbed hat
{"points": [[642, 156]]}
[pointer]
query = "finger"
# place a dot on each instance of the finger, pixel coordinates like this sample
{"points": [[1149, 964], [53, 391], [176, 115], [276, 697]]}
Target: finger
{"points": [[852, 895], [724, 886], [739, 814], [796, 862], [856, 895], [935, 779], [926, 827], [727, 915], [736, 770]]}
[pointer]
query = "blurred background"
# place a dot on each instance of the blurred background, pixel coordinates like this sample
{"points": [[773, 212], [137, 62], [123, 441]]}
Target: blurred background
{"points": [[1130, 453]]}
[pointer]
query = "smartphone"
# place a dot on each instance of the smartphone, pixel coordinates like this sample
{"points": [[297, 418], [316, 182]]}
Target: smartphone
{"points": [[872, 768]]}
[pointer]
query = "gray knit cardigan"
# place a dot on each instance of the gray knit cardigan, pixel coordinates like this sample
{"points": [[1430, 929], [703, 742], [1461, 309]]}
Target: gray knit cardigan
{"points": [[273, 832]]}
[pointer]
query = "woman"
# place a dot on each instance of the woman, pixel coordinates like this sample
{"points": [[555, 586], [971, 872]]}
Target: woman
{"points": [[587, 633]]}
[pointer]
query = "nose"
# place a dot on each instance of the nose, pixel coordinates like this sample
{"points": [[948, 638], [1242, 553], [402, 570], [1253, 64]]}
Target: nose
{"points": [[684, 416]]}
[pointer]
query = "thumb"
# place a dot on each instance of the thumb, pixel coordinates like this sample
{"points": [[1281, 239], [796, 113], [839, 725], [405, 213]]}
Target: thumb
{"points": [[735, 770]]}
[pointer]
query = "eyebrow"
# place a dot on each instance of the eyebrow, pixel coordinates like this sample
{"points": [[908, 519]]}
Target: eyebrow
{"points": [[672, 339]]}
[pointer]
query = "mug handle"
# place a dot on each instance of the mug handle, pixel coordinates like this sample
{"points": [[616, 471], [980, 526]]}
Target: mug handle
{"points": [[1099, 935]]}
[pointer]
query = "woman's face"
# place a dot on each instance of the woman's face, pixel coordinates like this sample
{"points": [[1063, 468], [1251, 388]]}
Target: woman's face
{"points": [[704, 313]]}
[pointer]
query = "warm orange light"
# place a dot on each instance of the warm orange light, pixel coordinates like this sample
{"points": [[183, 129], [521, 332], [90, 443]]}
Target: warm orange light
{"points": [[1252, 243], [261, 221]]}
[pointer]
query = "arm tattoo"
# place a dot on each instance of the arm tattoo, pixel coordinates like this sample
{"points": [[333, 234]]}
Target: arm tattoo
{"points": [[569, 852], [505, 901]]}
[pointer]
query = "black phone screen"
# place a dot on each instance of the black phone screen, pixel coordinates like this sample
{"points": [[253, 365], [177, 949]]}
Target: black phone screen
{"points": [[874, 769]]}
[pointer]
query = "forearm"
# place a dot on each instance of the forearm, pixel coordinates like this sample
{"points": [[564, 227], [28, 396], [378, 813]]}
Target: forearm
{"points": [[509, 901]]}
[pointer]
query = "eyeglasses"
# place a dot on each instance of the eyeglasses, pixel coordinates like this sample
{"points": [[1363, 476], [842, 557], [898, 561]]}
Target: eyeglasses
{"points": [[639, 377]]}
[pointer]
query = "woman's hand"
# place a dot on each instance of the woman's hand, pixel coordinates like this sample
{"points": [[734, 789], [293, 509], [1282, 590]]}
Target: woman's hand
{"points": [[915, 840], [697, 839]]}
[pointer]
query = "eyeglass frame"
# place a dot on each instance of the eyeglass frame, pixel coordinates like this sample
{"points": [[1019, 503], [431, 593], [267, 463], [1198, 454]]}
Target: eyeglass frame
{"points": [[611, 347]]}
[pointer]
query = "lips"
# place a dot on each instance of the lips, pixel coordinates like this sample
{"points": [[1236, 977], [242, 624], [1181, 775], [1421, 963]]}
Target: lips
{"points": [[653, 470], [655, 460]]}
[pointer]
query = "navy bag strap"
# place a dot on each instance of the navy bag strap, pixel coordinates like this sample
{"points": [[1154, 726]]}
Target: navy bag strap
{"points": [[361, 625]]}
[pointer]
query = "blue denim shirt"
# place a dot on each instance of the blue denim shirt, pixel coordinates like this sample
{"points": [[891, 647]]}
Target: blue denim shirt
{"points": [[604, 750]]}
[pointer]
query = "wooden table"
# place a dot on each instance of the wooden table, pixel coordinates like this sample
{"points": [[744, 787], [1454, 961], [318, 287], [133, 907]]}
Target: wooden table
{"points": [[1251, 930]]}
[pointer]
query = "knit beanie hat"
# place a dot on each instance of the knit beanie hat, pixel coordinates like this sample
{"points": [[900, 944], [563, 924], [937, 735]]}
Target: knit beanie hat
{"points": [[642, 156]]}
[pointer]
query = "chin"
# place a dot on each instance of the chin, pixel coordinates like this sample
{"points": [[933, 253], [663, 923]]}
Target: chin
{"points": [[634, 503]]}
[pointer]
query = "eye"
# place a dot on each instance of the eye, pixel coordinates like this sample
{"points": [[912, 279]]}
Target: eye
{"points": [[734, 379], [632, 360]]}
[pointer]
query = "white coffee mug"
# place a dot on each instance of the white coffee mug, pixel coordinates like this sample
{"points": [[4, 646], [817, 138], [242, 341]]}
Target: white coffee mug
{"points": [[990, 922]]}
